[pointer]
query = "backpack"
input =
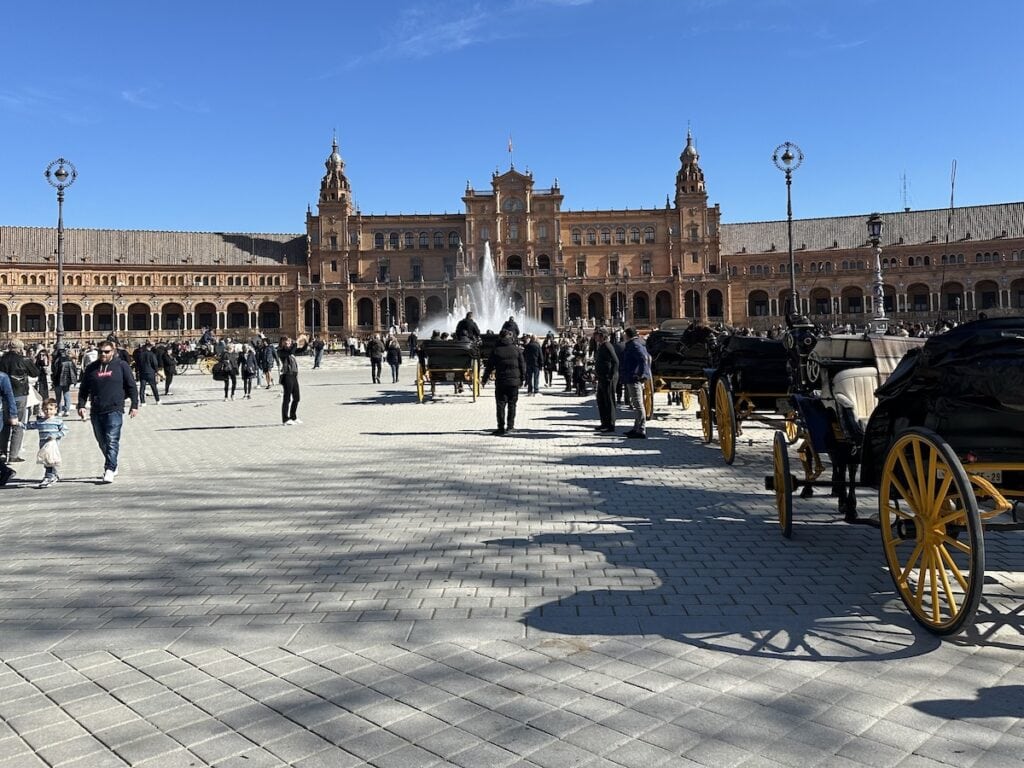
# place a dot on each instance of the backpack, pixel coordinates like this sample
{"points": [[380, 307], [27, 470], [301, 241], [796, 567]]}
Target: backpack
{"points": [[221, 370]]}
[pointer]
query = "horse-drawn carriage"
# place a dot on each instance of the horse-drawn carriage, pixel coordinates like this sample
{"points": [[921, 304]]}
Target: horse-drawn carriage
{"points": [[942, 440], [448, 361], [752, 381], [201, 357], [681, 352]]}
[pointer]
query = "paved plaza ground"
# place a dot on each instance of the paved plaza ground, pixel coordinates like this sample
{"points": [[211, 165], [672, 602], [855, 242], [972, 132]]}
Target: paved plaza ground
{"points": [[389, 584]]}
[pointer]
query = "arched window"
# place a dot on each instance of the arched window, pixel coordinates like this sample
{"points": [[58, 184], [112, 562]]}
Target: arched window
{"points": [[648, 234], [591, 237], [606, 236], [453, 239], [910, 261], [515, 263], [577, 237], [620, 235], [409, 239], [927, 261], [634, 234], [544, 262], [378, 240], [393, 241], [439, 240], [424, 240]]}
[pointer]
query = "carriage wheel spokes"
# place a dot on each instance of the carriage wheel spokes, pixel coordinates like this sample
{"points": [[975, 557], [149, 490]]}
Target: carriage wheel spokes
{"points": [[925, 503], [725, 420], [783, 483], [707, 424]]}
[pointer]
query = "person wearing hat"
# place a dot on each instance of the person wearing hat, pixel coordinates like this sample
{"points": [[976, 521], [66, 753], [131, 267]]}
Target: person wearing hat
{"points": [[635, 370]]}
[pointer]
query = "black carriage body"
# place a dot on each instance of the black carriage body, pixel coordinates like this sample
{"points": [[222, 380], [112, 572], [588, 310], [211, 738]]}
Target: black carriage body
{"points": [[448, 354], [682, 354], [967, 385], [755, 368]]}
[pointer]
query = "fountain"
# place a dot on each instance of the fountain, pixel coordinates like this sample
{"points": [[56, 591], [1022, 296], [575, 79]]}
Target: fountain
{"points": [[490, 303]]}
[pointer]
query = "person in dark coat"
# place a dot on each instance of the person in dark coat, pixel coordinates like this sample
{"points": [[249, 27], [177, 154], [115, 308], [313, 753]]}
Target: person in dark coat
{"points": [[508, 367], [534, 357], [146, 366], [393, 354], [550, 350], [635, 370], [467, 329], [166, 360], [65, 376], [511, 327], [619, 345], [375, 351], [606, 370]]}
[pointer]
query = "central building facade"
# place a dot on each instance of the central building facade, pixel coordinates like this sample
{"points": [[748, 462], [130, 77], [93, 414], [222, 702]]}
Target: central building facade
{"points": [[623, 266]]}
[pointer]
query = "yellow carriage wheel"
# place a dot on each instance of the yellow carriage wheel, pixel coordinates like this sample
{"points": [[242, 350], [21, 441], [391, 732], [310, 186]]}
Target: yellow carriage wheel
{"points": [[420, 389], [725, 420], [931, 531], [791, 428], [685, 399], [206, 364], [707, 424], [783, 483], [648, 399], [475, 375]]}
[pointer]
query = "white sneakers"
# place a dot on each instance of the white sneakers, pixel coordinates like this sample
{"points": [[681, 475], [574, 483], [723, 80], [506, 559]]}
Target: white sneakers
{"points": [[292, 422], [108, 476]]}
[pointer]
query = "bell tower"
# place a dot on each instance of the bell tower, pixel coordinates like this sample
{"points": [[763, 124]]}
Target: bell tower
{"points": [[690, 179], [335, 192]]}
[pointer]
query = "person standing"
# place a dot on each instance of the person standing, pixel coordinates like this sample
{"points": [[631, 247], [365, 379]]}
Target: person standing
{"points": [[228, 363], [606, 371], [146, 366], [286, 351], [507, 365], [511, 327], [106, 384], [394, 357], [64, 373], [375, 351], [619, 345], [635, 370], [534, 357], [51, 431], [247, 365], [550, 350], [318, 352], [9, 410], [42, 363], [20, 369], [267, 357], [413, 343]]}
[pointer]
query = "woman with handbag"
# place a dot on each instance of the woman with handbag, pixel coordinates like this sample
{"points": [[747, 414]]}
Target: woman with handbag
{"points": [[226, 370]]}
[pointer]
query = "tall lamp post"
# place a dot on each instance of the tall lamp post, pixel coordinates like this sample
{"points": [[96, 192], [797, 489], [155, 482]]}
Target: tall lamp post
{"points": [[787, 158], [60, 174], [880, 323]]}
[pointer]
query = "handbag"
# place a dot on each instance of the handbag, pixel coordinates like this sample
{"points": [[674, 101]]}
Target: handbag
{"points": [[34, 398]]}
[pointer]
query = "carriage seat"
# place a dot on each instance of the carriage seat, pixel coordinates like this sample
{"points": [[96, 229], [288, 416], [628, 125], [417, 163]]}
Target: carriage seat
{"points": [[854, 390]]}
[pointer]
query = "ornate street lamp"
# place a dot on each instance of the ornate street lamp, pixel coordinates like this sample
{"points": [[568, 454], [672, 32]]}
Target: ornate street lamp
{"points": [[60, 174], [787, 158], [880, 323]]}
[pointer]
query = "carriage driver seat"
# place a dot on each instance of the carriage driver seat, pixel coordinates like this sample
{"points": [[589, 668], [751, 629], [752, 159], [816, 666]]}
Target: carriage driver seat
{"points": [[854, 391]]}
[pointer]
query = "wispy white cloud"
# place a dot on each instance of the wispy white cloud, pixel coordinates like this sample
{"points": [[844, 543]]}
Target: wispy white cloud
{"points": [[138, 97], [427, 30]]}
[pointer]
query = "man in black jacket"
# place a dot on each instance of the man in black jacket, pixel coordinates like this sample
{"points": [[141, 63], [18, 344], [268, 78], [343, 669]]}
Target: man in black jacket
{"points": [[146, 365], [106, 384], [467, 329], [509, 369], [534, 357], [606, 370], [20, 369]]}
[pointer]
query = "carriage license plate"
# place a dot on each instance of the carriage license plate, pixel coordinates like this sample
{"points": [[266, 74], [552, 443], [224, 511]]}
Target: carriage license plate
{"points": [[994, 476], [449, 377], [679, 385]]}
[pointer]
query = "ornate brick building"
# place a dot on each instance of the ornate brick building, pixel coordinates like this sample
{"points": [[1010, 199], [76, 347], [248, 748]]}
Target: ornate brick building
{"points": [[354, 273]]}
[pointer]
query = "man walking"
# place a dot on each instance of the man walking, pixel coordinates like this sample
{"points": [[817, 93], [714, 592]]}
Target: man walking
{"points": [[606, 370], [146, 365], [375, 351], [509, 368], [106, 384], [635, 369], [534, 357]]}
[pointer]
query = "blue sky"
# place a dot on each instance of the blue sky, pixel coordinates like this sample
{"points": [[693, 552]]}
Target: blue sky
{"points": [[218, 115]]}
